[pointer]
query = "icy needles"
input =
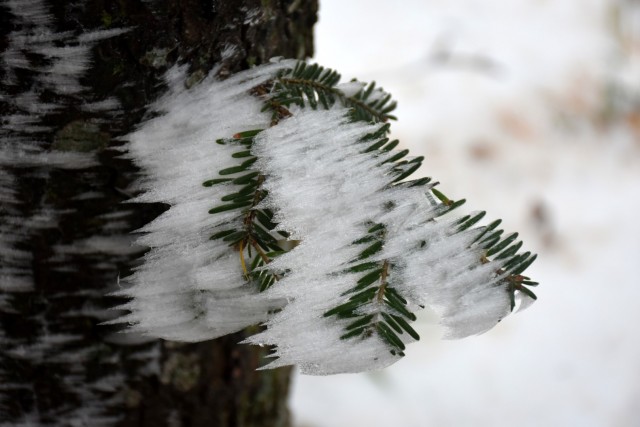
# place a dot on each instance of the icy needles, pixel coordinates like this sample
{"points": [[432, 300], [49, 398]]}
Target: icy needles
{"points": [[291, 207], [191, 288]]}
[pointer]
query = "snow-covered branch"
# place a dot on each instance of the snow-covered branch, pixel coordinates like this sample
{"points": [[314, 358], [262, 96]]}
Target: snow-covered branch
{"points": [[290, 207]]}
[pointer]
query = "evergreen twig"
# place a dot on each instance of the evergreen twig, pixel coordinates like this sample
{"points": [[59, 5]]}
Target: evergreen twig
{"points": [[388, 314]]}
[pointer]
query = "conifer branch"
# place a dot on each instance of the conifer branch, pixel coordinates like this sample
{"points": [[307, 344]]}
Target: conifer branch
{"points": [[364, 280], [257, 223], [348, 101], [317, 86]]}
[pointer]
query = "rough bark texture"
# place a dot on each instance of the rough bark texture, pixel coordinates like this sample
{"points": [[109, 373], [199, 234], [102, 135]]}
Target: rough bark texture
{"points": [[64, 231]]}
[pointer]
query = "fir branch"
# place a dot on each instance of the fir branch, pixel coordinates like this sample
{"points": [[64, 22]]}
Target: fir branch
{"points": [[372, 309], [317, 86], [368, 239], [257, 224], [373, 305], [506, 252]]}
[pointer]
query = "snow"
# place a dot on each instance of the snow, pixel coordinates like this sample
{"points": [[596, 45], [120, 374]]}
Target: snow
{"points": [[527, 142], [191, 288]]}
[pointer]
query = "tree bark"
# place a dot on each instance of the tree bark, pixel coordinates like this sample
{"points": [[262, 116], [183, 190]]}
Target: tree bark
{"points": [[74, 78]]}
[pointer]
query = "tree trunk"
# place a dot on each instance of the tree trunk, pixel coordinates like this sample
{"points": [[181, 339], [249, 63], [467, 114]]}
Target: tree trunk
{"points": [[74, 77]]}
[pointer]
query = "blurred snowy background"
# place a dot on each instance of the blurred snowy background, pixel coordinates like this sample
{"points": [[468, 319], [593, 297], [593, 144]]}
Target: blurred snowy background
{"points": [[529, 109]]}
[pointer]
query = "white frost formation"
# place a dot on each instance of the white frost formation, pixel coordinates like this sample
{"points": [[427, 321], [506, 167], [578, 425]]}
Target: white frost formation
{"points": [[324, 190], [191, 288]]}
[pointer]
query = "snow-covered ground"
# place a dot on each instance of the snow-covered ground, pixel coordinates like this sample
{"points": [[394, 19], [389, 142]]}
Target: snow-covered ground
{"points": [[524, 108]]}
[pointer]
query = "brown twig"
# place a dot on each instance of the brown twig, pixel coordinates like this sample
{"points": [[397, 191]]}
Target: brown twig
{"points": [[383, 281]]}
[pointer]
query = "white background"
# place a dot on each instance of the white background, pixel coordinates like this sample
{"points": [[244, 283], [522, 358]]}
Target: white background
{"points": [[513, 103]]}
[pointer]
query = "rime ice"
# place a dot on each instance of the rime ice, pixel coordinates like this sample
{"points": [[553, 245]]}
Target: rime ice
{"points": [[191, 288], [325, 189]]}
